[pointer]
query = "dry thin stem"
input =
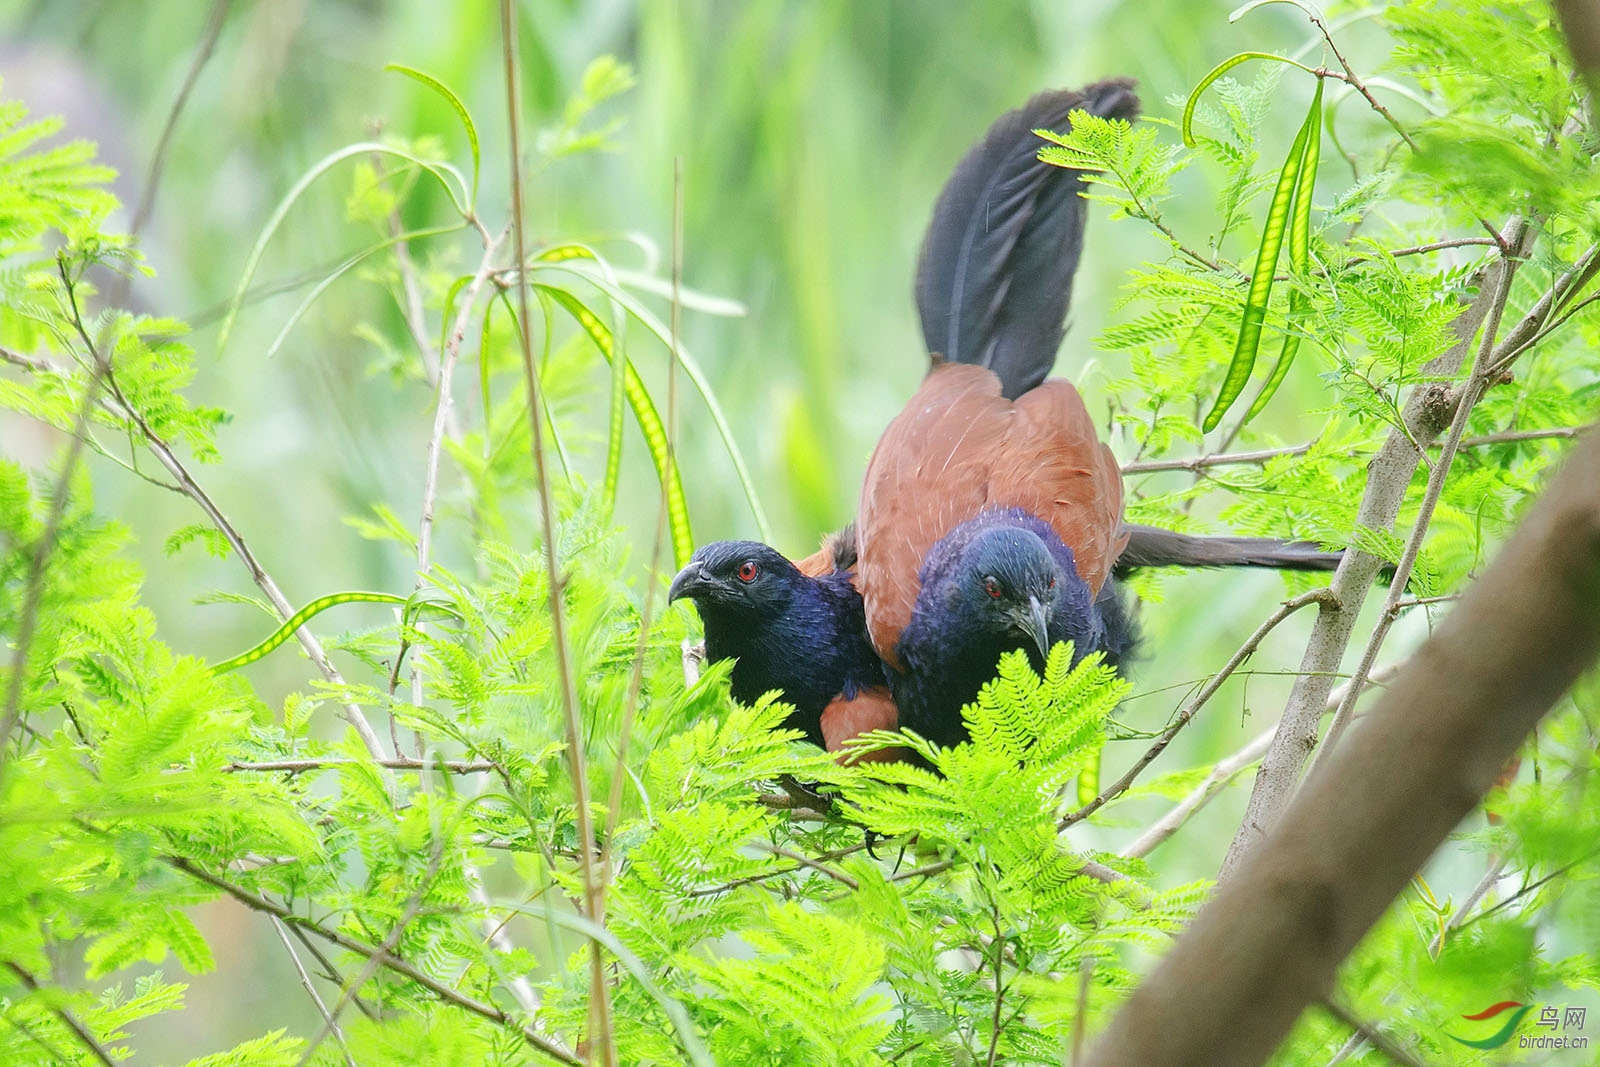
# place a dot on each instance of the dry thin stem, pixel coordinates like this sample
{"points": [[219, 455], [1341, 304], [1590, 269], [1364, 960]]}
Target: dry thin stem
{"points": [[443, 426], [999, 987], [258, 574], [66, 1015], [370, 967], [600, 1037], [1245, 651], [646, 611], [443, 991], [1194, 464], [103, 377], [1471, 393], [1497, 867], [33, 592], [311, 990], [1222, 773], [399, 763], [1224, 459], [807, 862], [1372, 1035], [158, 162]]}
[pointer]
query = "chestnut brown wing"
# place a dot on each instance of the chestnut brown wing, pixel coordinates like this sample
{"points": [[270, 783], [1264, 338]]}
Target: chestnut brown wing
{"points": [[1052, 464], [959, 447], [872, 709], [929, 473]]}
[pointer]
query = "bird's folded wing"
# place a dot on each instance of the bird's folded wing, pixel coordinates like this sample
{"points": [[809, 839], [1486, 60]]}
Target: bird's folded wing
{"points": [[929, 473], [959, 447], [871, 709], [1052, 464]]}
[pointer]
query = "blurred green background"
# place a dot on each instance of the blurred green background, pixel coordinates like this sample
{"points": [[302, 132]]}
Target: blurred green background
{"points": [[814, 135]]}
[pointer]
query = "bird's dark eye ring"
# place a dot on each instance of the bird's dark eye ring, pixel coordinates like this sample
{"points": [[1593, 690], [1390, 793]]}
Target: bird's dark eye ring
{"points": [[748, 571], [991, 586]]}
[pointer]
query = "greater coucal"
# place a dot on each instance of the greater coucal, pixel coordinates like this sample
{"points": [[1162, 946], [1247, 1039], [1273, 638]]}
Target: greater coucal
{"points": [[993, 283]]}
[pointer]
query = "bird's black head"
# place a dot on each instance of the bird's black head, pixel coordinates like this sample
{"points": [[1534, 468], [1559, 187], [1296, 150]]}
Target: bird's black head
{"points": [[736, 578], [1006, 582]]}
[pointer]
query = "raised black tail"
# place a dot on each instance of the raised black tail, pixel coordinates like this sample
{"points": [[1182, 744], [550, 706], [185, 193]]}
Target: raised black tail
{"points": [[995, 274], [1150, 546]]}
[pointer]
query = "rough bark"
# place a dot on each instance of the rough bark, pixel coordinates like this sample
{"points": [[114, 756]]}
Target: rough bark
{"points": [[1368, 817]]}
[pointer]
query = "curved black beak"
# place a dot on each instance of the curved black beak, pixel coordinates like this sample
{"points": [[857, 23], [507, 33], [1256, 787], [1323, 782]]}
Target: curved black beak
{"points": [[691, 580], [1036, 624]]}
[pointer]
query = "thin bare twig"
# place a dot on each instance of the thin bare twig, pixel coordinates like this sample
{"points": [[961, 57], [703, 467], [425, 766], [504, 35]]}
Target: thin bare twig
{"points": [[600, 1037], [191, 488], [809, 863], [999, 985], [1372, 1035], [103, 377], [443, 426], [1223, 459], [311, 990], [65, 1014], [1352, 79], [1222, 773], [1512, 436], [1529, 888], [1245, 651], [1470, 393], [202, 54], [1436, 246], [390, 943], [33, 364], [1194, 464], [1490, 877], [399, 763], [33, 591], [394, 963]]}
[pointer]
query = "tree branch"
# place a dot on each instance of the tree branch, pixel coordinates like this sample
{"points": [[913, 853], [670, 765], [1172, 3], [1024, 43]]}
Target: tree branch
{"points": [[1468, 396], [1371, 1034], [1270, 940], [1245, 651], [600, 1035], [158, 161], [402, 763], [1425, 415], [65, 1014], [386, 958], [311, 990]]}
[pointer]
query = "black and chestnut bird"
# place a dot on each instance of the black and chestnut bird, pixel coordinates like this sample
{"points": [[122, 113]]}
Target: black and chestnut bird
{"points": [[986, 525], [994, 281]]}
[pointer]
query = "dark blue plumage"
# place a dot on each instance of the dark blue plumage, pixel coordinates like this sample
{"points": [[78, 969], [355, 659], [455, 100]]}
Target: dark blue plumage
{"points": [[999, 582], [785, 630]]}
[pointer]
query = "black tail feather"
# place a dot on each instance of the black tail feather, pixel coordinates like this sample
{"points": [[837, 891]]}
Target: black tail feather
{"points": [[1150, 546], [994, 278]]}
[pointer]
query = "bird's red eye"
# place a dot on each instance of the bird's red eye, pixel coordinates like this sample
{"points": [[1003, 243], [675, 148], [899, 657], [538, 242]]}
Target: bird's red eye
{"points": [[1052, 582], [748, 571], [991, 587]]}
